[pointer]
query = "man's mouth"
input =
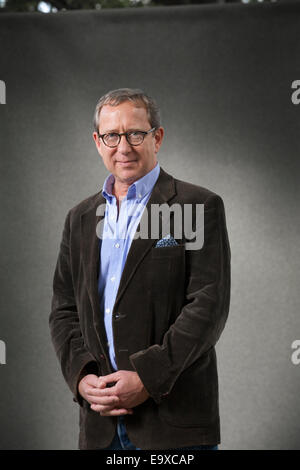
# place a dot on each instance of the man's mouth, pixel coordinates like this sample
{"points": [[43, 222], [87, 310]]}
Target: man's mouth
{"points": [[127, 162]]}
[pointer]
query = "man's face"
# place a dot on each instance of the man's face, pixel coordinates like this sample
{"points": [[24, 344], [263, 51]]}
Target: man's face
{"points": [[126, 162]]}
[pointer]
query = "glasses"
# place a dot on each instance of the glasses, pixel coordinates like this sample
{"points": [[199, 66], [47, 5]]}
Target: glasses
{"points": [[112, 139]]}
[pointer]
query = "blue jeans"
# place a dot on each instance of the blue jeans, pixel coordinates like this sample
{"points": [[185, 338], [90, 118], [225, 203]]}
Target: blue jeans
{"points": [[121, 441]]}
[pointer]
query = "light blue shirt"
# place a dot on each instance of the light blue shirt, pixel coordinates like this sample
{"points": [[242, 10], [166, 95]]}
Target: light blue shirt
{"points": [[117, 235]]}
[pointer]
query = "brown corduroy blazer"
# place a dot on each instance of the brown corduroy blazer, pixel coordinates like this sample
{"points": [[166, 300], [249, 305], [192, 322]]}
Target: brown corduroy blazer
{"points": [[171, 307]]}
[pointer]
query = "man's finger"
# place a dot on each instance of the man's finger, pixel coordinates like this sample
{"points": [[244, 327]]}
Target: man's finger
{"points": [[101, 407], [111, 401], [102, 392], [106, 379], [117, 412], [100, 382], [108, 408]]}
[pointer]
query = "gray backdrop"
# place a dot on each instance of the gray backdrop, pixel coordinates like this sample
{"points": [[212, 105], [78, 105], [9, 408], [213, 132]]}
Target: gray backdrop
{"points": [[222, 75]]}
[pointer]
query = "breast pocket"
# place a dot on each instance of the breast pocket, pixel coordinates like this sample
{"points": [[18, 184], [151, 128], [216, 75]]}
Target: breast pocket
{"points": [[166, 283], [167, 265], [167, 252]]}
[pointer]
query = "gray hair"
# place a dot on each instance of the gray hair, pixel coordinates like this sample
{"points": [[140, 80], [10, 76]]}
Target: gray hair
{"points": [[116, 97]]}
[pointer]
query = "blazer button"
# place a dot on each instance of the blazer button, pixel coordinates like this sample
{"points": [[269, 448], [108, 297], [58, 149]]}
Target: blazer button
{"points": [[117, 315]]}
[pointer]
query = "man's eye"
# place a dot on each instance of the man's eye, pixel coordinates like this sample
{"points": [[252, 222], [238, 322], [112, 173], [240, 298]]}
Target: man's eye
{"points": [[135, 133], [112, 135]]}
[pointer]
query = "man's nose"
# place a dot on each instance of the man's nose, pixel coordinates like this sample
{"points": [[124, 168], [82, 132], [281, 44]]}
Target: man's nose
{"points": [[124, 146]]}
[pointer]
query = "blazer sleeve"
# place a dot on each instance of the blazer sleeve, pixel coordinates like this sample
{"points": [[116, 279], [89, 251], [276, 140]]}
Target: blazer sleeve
{"points": [[202, 318], [66, 335]]}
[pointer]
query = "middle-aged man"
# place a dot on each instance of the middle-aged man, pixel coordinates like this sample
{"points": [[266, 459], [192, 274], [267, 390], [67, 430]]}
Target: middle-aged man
{"points": [[135, 318]]}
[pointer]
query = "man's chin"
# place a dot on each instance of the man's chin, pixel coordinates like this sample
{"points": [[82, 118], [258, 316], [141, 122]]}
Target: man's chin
{"points": [[129, 174]]}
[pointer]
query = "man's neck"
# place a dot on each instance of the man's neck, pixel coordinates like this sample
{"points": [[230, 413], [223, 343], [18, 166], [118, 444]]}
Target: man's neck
{"points": [[120, 190]]}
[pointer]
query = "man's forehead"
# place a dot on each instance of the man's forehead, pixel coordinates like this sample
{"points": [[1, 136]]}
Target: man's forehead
{"points": [[125, 110]]}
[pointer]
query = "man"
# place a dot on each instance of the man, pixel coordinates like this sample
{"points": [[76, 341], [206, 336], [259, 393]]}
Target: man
{"points": [[135, 319]]}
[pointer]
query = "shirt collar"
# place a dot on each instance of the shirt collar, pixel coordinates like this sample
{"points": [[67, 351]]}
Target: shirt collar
{"points": [[137, 190]]}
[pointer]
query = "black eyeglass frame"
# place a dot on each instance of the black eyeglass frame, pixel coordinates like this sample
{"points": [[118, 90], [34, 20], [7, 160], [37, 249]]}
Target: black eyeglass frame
{"points": [[101, 136]]}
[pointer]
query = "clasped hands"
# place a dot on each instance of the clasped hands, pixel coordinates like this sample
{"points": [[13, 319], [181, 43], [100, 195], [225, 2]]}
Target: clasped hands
{"points": [[127, 392]]}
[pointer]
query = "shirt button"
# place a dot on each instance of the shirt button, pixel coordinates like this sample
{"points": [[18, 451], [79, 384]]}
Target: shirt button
{"points": [[107, 310], [117, 245], [113, 278], [140, 195]]}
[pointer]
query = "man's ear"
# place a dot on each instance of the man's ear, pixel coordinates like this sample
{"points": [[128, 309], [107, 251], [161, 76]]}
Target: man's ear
{"points": [[96, 140], [158, 136]]}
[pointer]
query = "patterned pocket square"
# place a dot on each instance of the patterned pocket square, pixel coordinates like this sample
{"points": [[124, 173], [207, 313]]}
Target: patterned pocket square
{"points": [[166, 241]]}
